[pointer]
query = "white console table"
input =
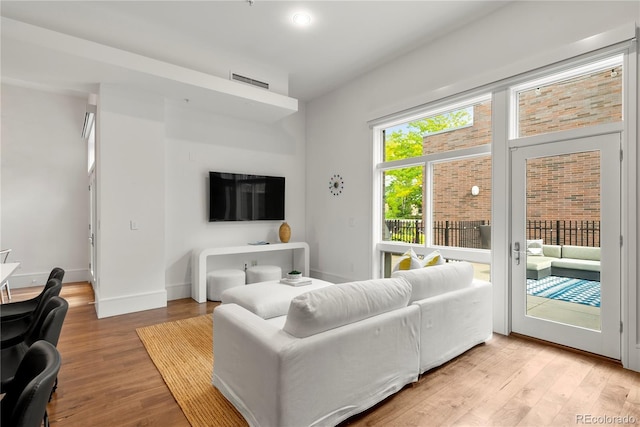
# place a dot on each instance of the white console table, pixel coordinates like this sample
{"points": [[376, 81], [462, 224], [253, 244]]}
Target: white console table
{"points": [[300, 253]]}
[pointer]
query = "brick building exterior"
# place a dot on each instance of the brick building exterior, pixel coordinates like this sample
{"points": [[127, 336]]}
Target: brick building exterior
{"points": [[560, 188]]}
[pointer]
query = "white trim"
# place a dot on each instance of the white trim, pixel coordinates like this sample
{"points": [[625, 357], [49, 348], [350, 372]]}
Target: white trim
{"points": [[430, 110], [566, 135], [377, 212], [178, 291], [591, 67], [107, 307], [630, 346], [509, 74], [500, 214], [439, 157], [27, 280], [329, 277], [482, 256]]}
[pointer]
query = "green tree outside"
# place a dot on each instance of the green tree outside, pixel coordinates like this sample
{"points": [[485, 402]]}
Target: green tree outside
{"points": [[403, 187]]}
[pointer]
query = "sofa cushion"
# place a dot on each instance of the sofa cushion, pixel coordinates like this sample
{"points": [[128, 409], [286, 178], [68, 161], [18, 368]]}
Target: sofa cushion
{"points": [[581, 252], [268, 299], [553, 251], [427, 282], [539, 263], [333, 306], [576, 264]]}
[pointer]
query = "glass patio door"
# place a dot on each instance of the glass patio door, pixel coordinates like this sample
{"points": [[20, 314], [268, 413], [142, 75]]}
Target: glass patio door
{"points": [[565, 247]]}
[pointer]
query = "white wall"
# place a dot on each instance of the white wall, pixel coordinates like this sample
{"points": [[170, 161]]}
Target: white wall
{"points": [[198, 142], [44, 198], [130, 165], [515, 39]]}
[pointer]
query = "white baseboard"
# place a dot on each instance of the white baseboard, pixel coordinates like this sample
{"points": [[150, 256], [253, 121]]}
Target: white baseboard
{"points": [[179, 291], [107, 307], [26, 280], [329, 277]]}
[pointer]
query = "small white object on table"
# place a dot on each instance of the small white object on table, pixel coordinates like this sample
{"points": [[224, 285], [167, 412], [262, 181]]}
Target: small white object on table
{"points": [[268, 299], [299, 281]]}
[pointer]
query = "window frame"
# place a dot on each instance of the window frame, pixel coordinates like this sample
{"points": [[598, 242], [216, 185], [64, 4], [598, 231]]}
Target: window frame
{"points": [[426, 162]]}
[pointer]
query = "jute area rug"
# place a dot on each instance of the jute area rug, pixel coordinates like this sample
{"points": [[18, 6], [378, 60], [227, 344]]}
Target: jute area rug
{"points": [[183, 353]]}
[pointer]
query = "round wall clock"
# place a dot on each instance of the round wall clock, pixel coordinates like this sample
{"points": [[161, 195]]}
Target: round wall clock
{"points": [[336, 184]]}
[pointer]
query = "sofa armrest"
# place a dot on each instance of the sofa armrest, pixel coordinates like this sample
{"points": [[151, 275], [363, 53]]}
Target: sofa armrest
{"points": [[246, 358], [453, 322]]}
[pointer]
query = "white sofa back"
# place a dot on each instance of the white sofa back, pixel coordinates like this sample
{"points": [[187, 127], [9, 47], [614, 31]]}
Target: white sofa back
{"points": [[431, 281], [322, 309]]}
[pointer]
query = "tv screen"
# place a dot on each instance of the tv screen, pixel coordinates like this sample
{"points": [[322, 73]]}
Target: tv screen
{"points": [[243, 197]]}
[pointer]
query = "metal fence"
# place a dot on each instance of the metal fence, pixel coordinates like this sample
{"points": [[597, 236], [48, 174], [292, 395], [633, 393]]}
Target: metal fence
{"points": [[405, 230], [561, 232], [477, 234]]}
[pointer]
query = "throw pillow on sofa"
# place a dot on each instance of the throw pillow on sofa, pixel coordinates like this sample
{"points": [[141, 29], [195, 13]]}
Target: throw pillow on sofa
{"points": [[338, 305], [434, 258], [408, 261]]}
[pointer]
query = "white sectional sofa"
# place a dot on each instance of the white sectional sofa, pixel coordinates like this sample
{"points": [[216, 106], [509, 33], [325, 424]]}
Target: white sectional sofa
{"points": [[340, 349], [455, 311]]}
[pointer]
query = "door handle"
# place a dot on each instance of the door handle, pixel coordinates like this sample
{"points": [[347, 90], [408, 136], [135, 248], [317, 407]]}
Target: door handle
{"points": [[516, 252]]}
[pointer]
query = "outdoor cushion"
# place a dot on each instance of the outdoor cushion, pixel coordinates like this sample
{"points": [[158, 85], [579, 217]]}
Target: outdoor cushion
{"points": [[581, 252], [427, 282], [333, 306], [576, 264], [539, 263], [554, 251]]}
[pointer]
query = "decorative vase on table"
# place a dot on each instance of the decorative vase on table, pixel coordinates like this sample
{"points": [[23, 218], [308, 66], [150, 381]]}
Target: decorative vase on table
{"points": [[284, 232]]}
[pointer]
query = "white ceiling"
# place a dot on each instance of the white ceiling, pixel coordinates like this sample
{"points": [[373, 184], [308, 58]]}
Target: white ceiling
{"points": [[344, 40]]}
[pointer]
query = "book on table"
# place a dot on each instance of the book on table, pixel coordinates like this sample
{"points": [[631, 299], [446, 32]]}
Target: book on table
{"points": [[296, 282]]}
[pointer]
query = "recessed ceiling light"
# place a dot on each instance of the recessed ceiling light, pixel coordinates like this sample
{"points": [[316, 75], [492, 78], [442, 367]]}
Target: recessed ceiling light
{"points": [[302, 19]]}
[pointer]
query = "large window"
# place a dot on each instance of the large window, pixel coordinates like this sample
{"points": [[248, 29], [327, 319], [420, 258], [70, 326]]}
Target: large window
{"points": [[583, 96], [435, 176], [434, 167]]}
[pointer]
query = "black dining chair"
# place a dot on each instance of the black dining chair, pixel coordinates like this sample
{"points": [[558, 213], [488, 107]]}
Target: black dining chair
{"points": [[15, 310], [13, 330], [47, 326], [28, 392]]}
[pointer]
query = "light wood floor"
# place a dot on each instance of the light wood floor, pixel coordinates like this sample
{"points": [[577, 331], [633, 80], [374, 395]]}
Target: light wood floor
{"points": [[107, 379]]}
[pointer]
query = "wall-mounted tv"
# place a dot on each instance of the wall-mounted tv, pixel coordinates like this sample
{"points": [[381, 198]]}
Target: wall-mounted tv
{"points": [[243, 197]]}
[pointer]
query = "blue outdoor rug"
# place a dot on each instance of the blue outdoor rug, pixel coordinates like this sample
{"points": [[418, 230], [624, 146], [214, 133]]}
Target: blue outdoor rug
{"points": [[580, 291]]}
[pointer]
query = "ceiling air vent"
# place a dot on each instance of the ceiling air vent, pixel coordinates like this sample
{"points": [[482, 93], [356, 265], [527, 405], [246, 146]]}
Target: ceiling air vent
{"points": [[249, 80]]}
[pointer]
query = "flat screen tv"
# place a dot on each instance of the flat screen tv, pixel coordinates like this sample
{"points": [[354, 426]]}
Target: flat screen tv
{"points": [[243, 197]]}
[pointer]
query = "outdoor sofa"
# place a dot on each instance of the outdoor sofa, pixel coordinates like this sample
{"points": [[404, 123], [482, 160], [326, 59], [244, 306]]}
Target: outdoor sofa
{"points": [[580, 262]]}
